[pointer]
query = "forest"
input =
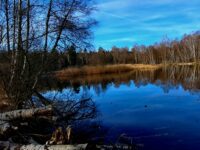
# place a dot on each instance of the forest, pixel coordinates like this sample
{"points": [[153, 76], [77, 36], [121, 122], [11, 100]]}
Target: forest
{"points": [[185, 50]]}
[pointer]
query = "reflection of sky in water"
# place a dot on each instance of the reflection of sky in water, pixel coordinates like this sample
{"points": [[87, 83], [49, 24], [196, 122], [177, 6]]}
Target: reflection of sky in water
{"points": [[148, 113]]}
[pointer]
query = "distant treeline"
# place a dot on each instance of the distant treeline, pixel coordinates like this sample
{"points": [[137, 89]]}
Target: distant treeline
{"points": [[176, 51]]}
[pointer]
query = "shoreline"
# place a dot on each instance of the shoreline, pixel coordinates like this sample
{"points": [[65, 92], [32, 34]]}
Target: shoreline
{"points": [[111, 69]]}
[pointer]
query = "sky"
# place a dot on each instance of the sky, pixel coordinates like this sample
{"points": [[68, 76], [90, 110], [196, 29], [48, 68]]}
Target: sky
{"points": [[124, 23]]}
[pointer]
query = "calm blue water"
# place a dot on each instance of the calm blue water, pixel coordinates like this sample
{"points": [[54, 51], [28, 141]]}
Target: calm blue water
{"points": [[159, 117]]}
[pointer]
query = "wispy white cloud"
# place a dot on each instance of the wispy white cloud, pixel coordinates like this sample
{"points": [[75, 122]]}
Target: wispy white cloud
{"points": [[123, 39], [147, 20]]}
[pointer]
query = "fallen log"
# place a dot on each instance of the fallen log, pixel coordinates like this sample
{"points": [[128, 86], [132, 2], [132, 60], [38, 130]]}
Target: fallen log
{"points": [[25, 113], [11, 146], [54, 147], [7, 117]]}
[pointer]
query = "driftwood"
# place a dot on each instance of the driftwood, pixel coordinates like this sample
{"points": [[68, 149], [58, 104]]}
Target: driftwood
{"points": [[25, 113], [6, 117], [12, 146], [20, 129]]}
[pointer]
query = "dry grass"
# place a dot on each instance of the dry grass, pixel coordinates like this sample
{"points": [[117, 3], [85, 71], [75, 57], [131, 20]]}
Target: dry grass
{"points": [[187, 64], [108, 69], [113, 69]]}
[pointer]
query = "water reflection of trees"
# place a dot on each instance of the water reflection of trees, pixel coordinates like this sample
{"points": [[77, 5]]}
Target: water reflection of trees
{"points": [[167, 78]]}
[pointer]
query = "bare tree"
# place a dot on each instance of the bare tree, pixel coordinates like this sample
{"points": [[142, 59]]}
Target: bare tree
{"points": [[40, 26], [34, 29]]}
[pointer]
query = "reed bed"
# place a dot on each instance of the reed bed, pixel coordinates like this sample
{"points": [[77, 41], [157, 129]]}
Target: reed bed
{"points": [[107, 69]]}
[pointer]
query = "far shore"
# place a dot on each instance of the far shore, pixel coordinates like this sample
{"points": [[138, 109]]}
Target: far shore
{"points": [[108, 70], [111, 69]]}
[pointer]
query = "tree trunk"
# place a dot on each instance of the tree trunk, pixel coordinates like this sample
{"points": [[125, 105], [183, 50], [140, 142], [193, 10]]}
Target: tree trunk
{"points": [[8, 146], [25, 113], [7, 25], [21, 114]]}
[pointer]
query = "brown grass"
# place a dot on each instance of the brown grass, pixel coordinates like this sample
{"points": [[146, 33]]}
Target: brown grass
{"points": [[108, 69], [187, 64]]}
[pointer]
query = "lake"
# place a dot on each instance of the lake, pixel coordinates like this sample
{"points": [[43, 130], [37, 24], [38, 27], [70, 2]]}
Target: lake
{"points": [[159, 109]]}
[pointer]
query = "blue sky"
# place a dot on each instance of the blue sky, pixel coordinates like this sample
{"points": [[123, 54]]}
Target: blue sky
{"points": [[129, 22]]}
